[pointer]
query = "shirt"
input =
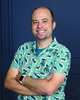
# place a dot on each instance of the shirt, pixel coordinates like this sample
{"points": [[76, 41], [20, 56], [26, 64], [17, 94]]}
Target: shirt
{"points": [[53, 59], [38, 51]]}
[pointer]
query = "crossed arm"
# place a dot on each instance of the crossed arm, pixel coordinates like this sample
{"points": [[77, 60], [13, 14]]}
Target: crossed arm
{"points": [[12, 84], [33, 86]]}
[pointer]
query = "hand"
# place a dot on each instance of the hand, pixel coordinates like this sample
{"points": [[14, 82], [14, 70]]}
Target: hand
{"points": [[49, 77]]}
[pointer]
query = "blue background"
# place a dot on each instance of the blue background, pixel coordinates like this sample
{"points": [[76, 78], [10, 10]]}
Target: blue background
{"points": [[15, 29]]}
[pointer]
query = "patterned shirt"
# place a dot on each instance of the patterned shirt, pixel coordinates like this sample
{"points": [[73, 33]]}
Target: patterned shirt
{"points": [[53, 59]]}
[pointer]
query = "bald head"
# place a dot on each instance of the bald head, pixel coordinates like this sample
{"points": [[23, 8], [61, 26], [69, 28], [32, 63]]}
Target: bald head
{"points": [[51, 13]]}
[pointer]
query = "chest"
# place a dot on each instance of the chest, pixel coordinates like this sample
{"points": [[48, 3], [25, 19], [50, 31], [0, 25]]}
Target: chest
{"points": [[37, 66]]}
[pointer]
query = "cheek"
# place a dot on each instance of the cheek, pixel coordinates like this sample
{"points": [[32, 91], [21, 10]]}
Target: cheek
{"points": [[33, 28], [47, 25]]}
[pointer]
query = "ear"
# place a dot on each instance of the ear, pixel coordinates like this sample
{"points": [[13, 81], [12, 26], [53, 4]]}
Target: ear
{"points": [[54, 25]]}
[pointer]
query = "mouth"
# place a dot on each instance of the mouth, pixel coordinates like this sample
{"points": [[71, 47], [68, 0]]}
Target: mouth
{"points": [[40, 32]]}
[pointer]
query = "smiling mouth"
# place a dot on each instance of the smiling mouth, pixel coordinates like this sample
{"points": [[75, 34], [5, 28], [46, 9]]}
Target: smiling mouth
{"points": [[40, 32]]}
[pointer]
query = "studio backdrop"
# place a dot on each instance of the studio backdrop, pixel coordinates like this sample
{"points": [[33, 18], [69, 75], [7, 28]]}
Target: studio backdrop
{"points": [[15, 29]]}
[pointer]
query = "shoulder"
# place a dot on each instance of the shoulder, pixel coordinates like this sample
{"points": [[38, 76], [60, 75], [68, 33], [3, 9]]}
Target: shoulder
{"points": [[58, 46], [26, 45], [24, 48], [63, 52], [62, 48]]}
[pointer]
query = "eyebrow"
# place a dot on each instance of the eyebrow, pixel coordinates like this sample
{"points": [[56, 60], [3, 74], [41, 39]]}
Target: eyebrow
{"points": [[44, 19], [41, 19]]}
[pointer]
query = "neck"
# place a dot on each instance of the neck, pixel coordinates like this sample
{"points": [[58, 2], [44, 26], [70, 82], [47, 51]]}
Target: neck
{"points": [[43, 43]]}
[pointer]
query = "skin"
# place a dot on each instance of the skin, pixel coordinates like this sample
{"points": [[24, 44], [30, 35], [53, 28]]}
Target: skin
{"points": [[12, 84], [42, 27]]}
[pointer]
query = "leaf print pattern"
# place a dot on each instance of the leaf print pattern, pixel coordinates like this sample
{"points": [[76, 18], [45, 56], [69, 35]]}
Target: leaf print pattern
{"points": [[53, 59]]}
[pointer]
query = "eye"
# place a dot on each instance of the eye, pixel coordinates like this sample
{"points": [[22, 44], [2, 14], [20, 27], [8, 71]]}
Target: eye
{"points": [[35, 22], [44, 21]]}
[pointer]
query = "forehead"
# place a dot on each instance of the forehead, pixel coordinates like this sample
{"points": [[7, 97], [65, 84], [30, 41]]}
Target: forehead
{"points": [[41, 13]]}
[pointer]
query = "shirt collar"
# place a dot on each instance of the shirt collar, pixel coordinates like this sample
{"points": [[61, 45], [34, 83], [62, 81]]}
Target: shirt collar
{"points": [[53, 43], [51, 46]]}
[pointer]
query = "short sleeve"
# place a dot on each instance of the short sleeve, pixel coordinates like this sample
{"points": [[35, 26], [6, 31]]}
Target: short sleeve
{"points": [[62, 61], [17, 57]]}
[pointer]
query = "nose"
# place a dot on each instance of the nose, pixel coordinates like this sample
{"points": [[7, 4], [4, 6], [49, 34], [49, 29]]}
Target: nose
{"points": [[39, 25]]}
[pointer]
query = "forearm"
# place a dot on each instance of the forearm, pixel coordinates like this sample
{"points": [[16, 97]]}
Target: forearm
{"points": [[37, 85], [41, 86], [15, 86]]}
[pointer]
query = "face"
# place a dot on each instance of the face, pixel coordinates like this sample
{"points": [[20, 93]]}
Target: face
{"points": [[42, 25]]}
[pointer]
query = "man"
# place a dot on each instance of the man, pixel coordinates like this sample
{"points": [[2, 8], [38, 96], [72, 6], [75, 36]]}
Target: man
{"points": [[40, 68]]}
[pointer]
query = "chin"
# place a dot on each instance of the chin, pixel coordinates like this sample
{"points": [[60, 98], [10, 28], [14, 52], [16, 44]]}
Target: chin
{"points": [[41, 38]]}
